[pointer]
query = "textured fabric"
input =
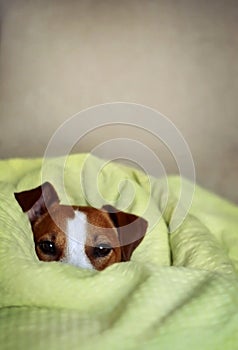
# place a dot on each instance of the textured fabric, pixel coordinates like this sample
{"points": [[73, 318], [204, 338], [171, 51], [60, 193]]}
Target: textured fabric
{"points": [[179, 291]]}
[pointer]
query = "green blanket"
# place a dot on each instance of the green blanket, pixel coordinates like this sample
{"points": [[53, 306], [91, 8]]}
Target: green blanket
{"points": [[179, 291]]}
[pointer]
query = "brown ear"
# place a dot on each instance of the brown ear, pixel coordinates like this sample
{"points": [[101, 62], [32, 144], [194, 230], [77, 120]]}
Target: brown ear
{"points": [[36, 201], [131, 230]]}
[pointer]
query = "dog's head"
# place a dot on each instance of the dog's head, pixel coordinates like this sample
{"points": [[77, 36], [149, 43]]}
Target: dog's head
{"points": [[82, 236]]}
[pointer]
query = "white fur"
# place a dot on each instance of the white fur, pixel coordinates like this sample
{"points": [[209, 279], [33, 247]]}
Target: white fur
{"points": [[76, 239]]}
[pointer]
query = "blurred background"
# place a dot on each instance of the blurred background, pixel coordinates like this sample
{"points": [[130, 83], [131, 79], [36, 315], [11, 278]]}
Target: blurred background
{"points": [[179, 57]]}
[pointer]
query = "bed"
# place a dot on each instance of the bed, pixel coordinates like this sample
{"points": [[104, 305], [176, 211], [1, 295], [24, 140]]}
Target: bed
{"points": [[179, 291]]}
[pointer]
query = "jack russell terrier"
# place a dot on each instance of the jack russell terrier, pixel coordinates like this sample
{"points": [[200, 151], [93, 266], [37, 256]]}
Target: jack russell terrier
{"points": [[82, 236]]}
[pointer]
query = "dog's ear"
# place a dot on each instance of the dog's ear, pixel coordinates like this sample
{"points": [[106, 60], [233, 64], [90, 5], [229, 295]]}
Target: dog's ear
{"points": [[35, 202], [131, 230]]}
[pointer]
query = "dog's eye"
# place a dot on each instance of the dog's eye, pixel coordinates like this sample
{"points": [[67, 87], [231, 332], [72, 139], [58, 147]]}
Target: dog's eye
{"points": [[47, 247], [101, 250]]}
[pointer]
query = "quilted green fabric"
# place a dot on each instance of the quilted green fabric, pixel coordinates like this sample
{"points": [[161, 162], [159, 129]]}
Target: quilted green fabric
{"points": [[179, 291]]}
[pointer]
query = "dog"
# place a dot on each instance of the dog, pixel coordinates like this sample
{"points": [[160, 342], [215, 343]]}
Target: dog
{"points": [[82, 236]]}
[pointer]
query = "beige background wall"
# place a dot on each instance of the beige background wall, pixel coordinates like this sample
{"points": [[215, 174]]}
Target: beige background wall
{"points": [[179, 57]]}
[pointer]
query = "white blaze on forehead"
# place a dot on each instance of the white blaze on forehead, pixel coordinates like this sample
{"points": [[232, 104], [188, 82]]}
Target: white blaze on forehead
{"points": [[76, 240]]}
